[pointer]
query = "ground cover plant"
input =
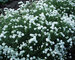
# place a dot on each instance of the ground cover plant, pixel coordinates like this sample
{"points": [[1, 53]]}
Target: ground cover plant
{"points": [[41, 30]]}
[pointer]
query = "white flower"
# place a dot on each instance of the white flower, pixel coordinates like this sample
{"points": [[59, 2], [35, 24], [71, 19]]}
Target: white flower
{"points": [[33, 40], [5, 26], [31, 58], [42, 16], [1, 35], [21, 52], [69, 40], [48, 54], [13, 31], [32, 35], [22, 34], [39, 35], [34, 57], [62, 34], [3, 44], [46, 44], [47, 39], [53, 25], [39, 27], [28, 55], [34, 11]]}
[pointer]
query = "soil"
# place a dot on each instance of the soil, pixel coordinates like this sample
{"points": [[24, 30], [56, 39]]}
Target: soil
{"points": [[11, 4]]}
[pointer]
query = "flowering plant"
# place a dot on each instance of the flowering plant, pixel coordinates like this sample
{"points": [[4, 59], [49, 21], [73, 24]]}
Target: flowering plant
{"points": [[37, 31]]}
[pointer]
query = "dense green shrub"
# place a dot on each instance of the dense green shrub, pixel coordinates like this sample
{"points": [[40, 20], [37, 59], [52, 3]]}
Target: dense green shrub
{"points": [[36, 32]]}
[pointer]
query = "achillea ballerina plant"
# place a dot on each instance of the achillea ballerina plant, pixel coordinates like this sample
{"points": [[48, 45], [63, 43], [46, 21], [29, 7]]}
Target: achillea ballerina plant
{"points": [[37, 32]]}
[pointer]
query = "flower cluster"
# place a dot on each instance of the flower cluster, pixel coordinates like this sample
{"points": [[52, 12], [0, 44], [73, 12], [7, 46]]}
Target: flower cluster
{"points": [[37, 31]]}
